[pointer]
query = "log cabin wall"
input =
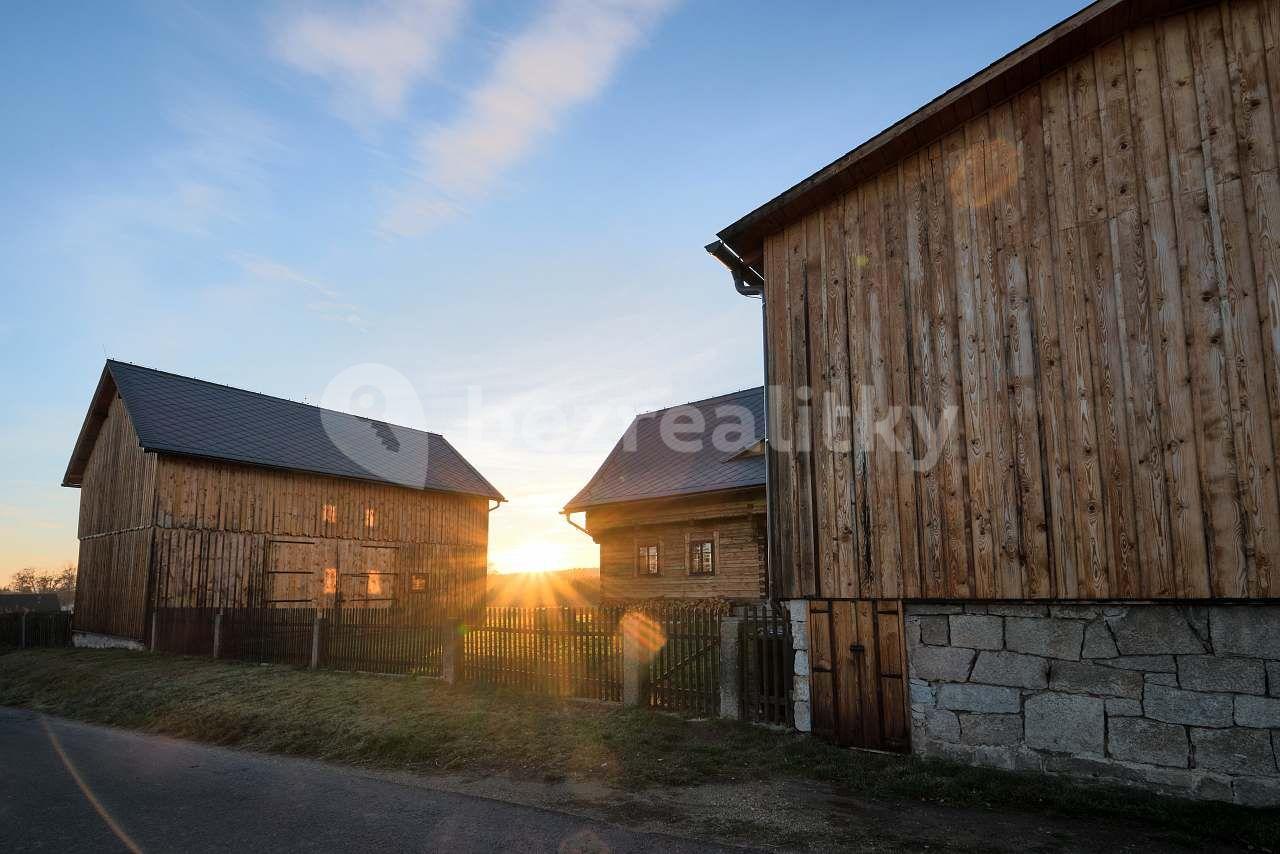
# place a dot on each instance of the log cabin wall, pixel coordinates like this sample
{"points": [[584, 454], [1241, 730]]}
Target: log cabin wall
{"points": [[1087, 275], [116, 500], [735, 522], [232, 535]]}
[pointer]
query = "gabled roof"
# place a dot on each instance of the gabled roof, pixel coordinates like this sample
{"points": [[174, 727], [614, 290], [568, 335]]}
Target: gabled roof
{"points": [[180, 415], [647, 466], [1056, 47]]}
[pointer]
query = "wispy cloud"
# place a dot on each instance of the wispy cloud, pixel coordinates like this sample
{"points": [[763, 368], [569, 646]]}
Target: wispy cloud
{"points": [[566, 57], [332, 304], [372, 57], [273, 271]]}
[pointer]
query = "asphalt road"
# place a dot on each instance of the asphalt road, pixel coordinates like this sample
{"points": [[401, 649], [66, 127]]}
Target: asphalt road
{"points": [[68, 787]]}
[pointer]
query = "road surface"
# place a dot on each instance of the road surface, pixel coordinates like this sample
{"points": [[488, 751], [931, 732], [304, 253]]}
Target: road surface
{"points": [[70, 787]]}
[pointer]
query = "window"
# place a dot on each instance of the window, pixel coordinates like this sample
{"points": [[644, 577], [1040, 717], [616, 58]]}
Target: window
{"points": [[370, 518], [702, 557], [418, 582], [330, 514], [330, 580], [647, 559], [375, 584]]}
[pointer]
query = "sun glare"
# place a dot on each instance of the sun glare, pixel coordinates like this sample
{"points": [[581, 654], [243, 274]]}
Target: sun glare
{"points": [[532, 557]]}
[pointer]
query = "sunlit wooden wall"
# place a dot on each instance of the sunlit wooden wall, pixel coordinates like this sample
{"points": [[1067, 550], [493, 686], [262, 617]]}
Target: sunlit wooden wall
{"points": [[1087, 275], [734, 520], [170, 531]]}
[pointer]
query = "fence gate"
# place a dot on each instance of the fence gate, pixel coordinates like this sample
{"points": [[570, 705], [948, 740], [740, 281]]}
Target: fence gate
{"points": [[857, 665], [767, 662], [684, 671]]}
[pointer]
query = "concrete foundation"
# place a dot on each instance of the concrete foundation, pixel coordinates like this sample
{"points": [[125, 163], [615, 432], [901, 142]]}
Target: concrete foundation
{"points": [[89, 640]]}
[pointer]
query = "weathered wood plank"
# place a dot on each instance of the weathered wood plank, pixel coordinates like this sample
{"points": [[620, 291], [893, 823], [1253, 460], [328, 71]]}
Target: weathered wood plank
{"points": [[896, 308]]}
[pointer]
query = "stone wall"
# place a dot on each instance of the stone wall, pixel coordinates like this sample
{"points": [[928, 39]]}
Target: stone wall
{"points": [[799, 611], [1180, 699]]}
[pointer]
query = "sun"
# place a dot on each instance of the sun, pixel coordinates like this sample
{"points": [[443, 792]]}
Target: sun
{"points": [[531, 557]]}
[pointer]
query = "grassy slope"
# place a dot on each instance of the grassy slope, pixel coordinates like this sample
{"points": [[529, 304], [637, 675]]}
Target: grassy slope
{"points": [[422, 725]]}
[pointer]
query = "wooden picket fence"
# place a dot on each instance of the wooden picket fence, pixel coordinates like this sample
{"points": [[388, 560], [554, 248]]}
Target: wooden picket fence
{"points": [[30, 630], [766, 664], [683, 674], [557, 652], [183, 631], [274, 635], [374, 640], [383, 640]]}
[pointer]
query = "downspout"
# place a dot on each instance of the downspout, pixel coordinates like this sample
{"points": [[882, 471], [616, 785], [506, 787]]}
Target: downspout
{"points": [[750, 283], [569, 518], [496, 504]]}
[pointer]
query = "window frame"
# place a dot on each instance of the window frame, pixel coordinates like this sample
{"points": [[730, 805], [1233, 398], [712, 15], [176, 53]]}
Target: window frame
{"points": [[698, 542], [655, 559]]}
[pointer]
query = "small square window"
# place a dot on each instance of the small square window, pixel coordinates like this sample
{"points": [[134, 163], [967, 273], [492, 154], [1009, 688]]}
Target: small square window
{"points": [[418, 582], [647, 559], [702, 557], [330, 514]]}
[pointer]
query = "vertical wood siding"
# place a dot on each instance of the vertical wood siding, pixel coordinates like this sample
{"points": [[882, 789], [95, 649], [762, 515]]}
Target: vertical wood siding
{"points": [[1087, 275], [233, 535], [116, 500]]}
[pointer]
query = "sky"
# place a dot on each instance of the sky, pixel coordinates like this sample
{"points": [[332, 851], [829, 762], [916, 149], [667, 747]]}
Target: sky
{"points": [[492, 213]]}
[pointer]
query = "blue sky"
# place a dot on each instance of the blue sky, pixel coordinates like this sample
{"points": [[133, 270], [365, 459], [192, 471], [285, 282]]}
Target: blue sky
{"points": [[493, 211]]}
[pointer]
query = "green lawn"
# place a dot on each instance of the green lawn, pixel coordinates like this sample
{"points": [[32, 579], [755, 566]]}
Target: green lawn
{"points": [[426, 726]]}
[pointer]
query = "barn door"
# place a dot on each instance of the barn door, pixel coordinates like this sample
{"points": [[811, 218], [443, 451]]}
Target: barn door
{"points": [[370, 579], [857, 683], [291, 570]]}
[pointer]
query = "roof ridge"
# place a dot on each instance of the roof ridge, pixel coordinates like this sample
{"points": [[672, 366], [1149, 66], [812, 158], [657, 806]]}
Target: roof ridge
{"points": [[271, 397], [740, 392]]}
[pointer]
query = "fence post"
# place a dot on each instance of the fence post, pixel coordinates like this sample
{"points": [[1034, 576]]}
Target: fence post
{"points": [[153, 629], [635, 661], [217, 633], [730, 668], [315, 640], [451, 655], [22, 631]]}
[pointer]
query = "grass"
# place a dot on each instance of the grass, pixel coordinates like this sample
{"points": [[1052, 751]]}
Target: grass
{"points": [[426, 726]]}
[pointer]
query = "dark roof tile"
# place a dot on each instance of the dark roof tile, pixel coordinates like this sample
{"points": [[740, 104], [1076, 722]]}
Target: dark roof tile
{"points": [[650, 467], [181, 415]]}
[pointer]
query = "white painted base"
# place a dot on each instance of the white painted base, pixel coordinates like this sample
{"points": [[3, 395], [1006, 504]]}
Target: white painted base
{"points": [[89, 640]]}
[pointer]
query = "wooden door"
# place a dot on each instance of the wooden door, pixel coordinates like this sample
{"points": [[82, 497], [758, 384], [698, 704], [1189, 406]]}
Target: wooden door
{"points": [[292, 567], [371, 579], [858, 692]]}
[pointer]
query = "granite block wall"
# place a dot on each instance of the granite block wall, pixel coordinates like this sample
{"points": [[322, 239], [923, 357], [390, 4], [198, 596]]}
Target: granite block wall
{"points": [[1180, 699]]}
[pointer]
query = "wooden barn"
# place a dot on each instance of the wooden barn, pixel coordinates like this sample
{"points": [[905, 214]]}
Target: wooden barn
{"points": [[678, 505], [1023, 360], [198, 495]]}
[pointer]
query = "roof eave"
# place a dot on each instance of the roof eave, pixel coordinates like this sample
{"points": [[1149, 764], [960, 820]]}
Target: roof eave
{"points": [[595, 505], [99, 409]]}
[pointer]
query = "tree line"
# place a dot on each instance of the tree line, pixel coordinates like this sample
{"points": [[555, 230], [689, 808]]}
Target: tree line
{"points": [[61, 582]]}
